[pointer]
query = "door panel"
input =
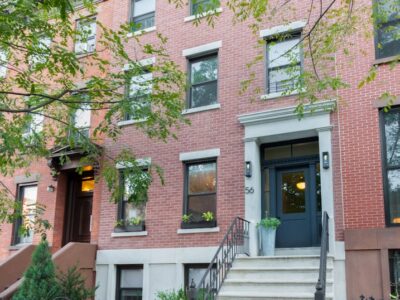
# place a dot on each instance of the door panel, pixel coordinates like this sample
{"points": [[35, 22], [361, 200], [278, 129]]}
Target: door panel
{"points": [[293, 207]]}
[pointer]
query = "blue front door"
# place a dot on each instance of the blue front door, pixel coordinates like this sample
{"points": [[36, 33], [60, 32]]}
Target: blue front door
{"points": [[294, 207]]}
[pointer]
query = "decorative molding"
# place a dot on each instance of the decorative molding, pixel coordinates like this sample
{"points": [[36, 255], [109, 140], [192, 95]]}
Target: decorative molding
{"points": [[317, 108], [209, 153], [197, 230], [380, 103], [281, 29], [201, 108], [326, 128], [204, 14], [26, 179], [202, 49]]}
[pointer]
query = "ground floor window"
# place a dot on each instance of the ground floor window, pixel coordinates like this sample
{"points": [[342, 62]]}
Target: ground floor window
{"points": [[394, 266], [193, 275], [129, 282]]}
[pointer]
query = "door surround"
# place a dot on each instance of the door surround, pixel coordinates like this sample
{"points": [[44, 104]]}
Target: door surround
{"points": [[281, 125]]}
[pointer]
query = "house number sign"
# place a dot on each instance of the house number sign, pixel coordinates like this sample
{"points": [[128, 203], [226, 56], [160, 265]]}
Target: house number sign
{"points": [[249, 190]]}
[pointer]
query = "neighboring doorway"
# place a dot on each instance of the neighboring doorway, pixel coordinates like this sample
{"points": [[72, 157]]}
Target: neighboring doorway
{"points": [[292, 192], [78, 210]]}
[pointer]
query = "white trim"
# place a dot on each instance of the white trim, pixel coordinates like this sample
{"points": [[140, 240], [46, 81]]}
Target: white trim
{"points": [[201, 108], [187, 156], [202, 15], [142, 31], [202, 49], [197, 230], [294, 26], [130, 122], [279, 95], [128, 234], [143, 162], [143, 63], [317, 108]]}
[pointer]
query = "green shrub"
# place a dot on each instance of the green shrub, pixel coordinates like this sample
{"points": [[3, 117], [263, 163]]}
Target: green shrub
{"points": [[269, 223], [172, 295]]}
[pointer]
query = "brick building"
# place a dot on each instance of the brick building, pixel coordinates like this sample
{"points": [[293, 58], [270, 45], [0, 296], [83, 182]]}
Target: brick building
{"points": [[340, 158]]}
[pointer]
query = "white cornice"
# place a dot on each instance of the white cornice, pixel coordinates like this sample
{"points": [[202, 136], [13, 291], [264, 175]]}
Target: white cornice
{"points": [[317, 108], [282, 29]]}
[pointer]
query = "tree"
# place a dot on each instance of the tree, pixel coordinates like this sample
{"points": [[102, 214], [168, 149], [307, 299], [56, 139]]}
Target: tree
{"points": [[39, 281], [72, 286]]}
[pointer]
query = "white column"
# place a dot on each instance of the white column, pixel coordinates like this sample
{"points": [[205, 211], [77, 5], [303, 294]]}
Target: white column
{"points": [[146, 282], [325, 145], [253, 196]]}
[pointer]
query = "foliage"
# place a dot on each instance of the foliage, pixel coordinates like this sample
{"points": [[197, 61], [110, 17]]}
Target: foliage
{"points": [[269, 223], [186, 218], [72, 285], [172, 295], [134, 221], [39, 280], [208, 216]]}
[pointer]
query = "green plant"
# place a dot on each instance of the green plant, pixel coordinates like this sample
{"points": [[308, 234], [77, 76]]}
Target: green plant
{"points": [[135, 221], [186, 218], [172, 295], [269, 223], [119, 223], [39, 281], [72, 285], [208, 216]]}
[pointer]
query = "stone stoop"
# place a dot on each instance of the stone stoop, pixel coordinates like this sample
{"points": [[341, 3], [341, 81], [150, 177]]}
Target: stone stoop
{"points": [[281, 277]]}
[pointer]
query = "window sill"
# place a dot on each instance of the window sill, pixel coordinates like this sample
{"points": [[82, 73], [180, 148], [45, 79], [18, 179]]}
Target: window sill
{"points": [[279, 95], [198, 230], [201, 108], [386, 60], [130, 122], [18, 246], [128, 234], [202, 15], [143, 31], [84, 54]]}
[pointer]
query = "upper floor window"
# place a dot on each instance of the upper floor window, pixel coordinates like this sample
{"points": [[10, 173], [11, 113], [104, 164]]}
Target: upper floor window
{"points": [[391, 164], [200, 194], [35, 125], [387, 24], [203, 81], [139, 89], [81, 120], [41, 52], [3, 63], [129, 283], [284, 64], [27, 196], [143, 12], [86, 39], [200, 6]]}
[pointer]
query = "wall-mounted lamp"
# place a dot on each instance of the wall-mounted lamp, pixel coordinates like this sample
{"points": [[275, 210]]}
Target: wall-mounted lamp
{"points": [[247, 169], [325, 160], [51, 188]]}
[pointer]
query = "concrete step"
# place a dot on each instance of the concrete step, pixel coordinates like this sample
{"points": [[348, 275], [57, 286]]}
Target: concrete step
{"points": [[292, 261], [297, 251], [261, 296]]}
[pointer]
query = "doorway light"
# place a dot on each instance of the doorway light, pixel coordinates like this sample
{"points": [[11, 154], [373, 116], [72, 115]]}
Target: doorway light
{"points": [[301, 185], [87, 185]]}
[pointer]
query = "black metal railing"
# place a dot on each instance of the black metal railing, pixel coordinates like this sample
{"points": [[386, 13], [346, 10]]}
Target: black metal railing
{"points": [[235, 241], [320, 288]]}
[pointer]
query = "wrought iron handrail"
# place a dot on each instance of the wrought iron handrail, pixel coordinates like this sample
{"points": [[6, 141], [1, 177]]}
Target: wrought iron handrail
{"points": [[320, 288], [234, 242]]}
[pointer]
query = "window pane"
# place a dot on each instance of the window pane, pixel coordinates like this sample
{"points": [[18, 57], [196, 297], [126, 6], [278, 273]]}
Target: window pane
{"points": [[202, 178], [194, 275], [197, 205], [29, 194], [392, 136], [140, 84], [86, 40], [293, 192], [394, 195], [133, 211], [389, 40], [142, 7], [204, 70], [305, 149], [394, 266], [131, 278], [131, 294], [283, 79], [144, 21], [82, 117], [281, 53], [3, 64], [205, 94], [278, 152], [388, 10]]}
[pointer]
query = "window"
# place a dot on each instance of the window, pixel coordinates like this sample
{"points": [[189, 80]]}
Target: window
{"points": [[26, 195], [394, 267], [35, 125], [81, 121], [387, 28], [129, 282], [391, 164], [200, 6], [143, 12], [3, 63], [201, 193], [139, 90], [129, 212], [283, 64], [193, 275], [41, 52], [203, 81], [86, 39]]}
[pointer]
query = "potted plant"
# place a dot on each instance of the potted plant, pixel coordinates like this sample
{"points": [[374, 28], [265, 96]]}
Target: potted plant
{"points": [[119, 225], [135, 224], [206, 220], [267, 228]]}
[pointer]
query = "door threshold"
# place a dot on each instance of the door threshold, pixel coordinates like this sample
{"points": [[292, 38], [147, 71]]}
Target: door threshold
{"points": [[297, 251]]}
